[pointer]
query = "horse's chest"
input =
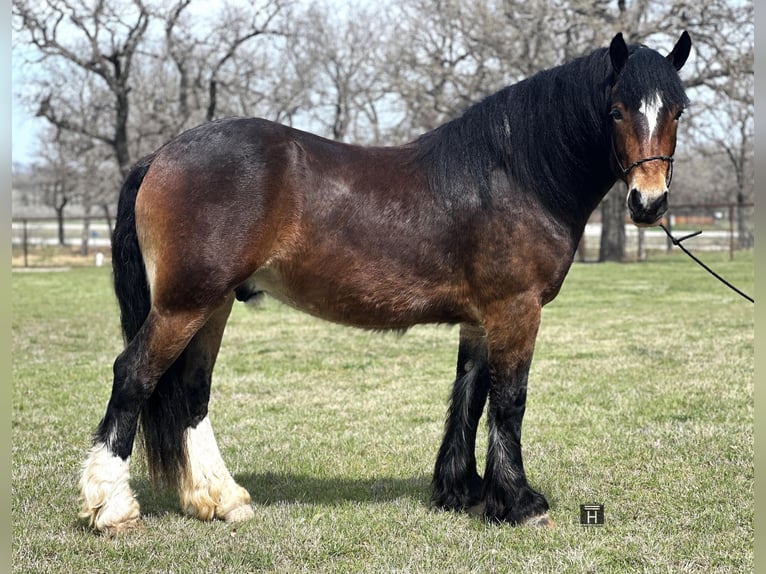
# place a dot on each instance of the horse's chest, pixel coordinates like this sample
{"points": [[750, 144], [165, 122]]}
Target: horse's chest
{"points": [[525, 256]]}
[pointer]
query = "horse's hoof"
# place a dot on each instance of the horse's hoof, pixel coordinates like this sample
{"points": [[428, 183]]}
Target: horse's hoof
{"points": [[111, 524], [540, 521], [126, 527], [239, 514], [113, 515], [476, 509]]}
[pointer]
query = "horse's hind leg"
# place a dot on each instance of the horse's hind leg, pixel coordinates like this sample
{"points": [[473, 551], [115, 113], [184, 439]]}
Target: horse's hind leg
{"points": [[206, 488], [456, 485], [108, 503]]}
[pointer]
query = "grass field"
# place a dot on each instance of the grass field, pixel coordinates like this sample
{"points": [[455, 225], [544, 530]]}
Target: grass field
{"points": [[640, 398]]}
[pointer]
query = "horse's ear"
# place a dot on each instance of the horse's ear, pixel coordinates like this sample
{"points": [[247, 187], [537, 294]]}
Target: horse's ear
{"points": [[618, 52], [681, 51]]}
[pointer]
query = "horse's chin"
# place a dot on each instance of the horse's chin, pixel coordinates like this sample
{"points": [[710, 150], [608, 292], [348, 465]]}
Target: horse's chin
{"points": [[645, 225], [642, 222]]}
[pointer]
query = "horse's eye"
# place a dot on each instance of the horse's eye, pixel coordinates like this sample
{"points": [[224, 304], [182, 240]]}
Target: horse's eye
{"points": [[616, 114], [679, 114]]}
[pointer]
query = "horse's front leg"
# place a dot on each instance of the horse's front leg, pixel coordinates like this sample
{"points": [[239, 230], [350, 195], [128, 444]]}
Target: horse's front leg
{"points": [[456, 484], [511, 333]]}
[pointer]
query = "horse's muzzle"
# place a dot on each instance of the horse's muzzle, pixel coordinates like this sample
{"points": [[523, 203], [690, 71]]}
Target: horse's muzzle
{"points": [[646, 210]]}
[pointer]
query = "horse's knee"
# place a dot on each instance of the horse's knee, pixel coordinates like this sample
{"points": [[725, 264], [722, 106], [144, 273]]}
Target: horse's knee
{"points": [[133, 382]]}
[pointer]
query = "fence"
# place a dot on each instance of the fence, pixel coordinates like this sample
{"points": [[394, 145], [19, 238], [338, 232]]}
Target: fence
{"points": [[725, 227], [36, 241]]}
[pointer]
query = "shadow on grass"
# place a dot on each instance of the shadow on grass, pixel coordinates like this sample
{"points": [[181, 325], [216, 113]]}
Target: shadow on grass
{"points": [[271, 488]]}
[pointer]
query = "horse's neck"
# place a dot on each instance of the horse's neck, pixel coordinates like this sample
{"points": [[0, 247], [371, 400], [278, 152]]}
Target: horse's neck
{"points": [[558, 137]]}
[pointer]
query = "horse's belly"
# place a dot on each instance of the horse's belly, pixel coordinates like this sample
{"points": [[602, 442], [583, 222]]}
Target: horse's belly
{"points": [[367, 296]]}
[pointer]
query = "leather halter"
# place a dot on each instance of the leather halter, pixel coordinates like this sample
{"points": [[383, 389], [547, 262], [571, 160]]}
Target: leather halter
{"points": [[627, 170]]}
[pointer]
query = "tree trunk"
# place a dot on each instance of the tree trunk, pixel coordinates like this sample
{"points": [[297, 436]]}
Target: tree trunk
{"points": [[108, 217], [641, 244], [744, 236], [612, 247], [582, 255], [121, 148], [59, 207], [85, 236]]}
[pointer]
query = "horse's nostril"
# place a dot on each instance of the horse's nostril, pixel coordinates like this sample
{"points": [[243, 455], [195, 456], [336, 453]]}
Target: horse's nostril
{"points": [[662, 204]]}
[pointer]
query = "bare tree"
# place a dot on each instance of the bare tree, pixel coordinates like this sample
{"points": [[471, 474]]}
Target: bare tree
{"points": [[463, 54], [56, 177], [97, 184], [83, 39], [343, 77], [723, 122], [207, 65], [107, 47], [238, 26]]}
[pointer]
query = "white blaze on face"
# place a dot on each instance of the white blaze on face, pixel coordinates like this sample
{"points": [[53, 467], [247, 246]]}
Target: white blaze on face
{"points": [[650, 108]]}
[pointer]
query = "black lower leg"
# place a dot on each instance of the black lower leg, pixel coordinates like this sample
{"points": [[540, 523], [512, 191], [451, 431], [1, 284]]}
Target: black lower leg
{"points": [[456, 484], [117, 430], [507, 495]]}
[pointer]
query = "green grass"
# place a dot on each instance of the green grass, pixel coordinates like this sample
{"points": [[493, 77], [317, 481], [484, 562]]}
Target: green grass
{"points": [[640, 397]]}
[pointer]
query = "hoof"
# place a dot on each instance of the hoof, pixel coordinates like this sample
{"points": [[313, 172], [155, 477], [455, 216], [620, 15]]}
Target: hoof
{"points": [[239, 514], [541, 521], [230, 503], [122, 528], [107, 501], [476, 509], [113, 517]]}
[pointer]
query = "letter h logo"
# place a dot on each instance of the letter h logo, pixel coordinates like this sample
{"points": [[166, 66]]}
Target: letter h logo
{"points": [[592, 514]]}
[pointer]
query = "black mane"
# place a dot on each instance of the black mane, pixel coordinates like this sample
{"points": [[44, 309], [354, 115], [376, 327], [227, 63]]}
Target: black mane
{"points": [[548, 134]]}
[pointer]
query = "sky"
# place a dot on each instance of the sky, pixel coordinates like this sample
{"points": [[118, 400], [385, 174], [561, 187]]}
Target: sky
{"points": [[25, 127], [23, 133]]}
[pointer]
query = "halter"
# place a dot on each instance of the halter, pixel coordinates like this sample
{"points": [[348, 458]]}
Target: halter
{"points": [[627, 170]]}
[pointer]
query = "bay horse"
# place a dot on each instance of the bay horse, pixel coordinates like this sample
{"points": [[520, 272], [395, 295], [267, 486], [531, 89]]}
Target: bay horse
{"points": [[475, 223]]}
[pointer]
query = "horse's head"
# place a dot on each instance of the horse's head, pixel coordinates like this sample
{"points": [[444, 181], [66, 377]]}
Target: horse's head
{"points": [[647, 100]]}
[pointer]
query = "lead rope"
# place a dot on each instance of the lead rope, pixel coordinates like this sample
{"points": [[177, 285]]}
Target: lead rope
{"points": [[708, 269]]}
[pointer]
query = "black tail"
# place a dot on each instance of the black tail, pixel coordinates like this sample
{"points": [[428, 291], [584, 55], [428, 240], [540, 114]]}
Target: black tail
{"points": [[164, 415], [130, 283]]}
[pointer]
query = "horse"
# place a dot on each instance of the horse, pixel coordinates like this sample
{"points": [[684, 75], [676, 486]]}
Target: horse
{"points": [[475, 223]]}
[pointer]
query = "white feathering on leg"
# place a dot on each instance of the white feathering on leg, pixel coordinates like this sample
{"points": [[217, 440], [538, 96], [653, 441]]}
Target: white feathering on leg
{"points": [[108, 502], [208, 489]]}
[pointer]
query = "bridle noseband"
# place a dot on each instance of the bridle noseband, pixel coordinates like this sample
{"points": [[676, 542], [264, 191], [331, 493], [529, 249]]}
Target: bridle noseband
{"points": [[627, 170]]}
